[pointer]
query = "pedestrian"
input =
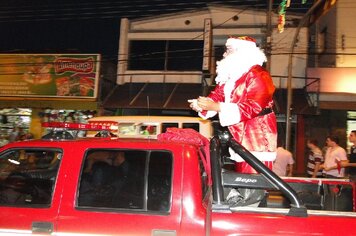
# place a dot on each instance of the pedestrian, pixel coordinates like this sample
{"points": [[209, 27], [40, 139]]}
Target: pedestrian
{"points": [[243, 99], [352, 157], [14, 135], [335, 159], [283, 164], [3, 140], [315, 159]]}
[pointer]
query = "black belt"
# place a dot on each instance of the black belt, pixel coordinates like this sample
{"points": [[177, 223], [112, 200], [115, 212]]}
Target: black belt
{"points": [[265, 111]]}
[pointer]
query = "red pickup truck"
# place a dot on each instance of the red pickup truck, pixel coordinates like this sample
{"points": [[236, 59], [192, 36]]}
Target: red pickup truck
{"points": [[110, 186]]}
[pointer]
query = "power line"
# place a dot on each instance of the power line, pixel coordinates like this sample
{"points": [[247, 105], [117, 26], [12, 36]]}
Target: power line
{"points": [[109, 9]]}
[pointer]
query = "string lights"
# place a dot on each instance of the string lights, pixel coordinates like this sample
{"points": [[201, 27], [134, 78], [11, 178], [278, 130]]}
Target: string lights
{"points": [[282, 14]]}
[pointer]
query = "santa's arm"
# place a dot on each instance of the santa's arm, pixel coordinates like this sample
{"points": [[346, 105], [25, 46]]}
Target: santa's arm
{"points": [[210, 105], [217, 95]]}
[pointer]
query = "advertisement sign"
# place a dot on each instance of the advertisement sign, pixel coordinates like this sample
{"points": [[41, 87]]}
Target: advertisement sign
{"points": [[49, 75]]}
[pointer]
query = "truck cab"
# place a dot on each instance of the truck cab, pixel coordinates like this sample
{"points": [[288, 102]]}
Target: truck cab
{"points": [[63, 185]]}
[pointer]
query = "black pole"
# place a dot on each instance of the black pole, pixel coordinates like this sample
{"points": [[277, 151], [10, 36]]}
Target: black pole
{"points": [[270, 176], [215, 162]]}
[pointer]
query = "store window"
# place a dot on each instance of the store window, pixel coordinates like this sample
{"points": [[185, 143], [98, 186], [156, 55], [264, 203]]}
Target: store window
{"points": [[62, 115], [14, 124], [70, 116], [322, 41], [178, 55]]}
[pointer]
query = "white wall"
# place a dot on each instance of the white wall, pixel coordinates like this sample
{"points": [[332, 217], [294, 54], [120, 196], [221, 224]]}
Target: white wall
{"points": [[345, 25], [339, 22], [281, 49], [190, 25]]}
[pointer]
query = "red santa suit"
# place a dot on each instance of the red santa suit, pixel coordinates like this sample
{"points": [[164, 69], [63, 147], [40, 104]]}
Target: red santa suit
{"points": [[245, 93]]}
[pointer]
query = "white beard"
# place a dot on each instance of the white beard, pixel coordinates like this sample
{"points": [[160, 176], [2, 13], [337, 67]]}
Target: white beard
{"points": [[233, 66]]}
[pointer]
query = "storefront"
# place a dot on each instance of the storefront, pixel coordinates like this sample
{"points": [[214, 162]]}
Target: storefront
{"points": [[34, 87], [27, 121]]}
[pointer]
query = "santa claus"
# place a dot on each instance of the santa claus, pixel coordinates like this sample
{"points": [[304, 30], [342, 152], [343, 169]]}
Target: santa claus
{"points": [[243, 99]]}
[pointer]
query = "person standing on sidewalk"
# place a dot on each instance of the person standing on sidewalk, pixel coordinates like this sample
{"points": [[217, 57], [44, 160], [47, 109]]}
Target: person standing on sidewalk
{"points": [[283, 164], [315, 159], [352, 157], [335, 159]]}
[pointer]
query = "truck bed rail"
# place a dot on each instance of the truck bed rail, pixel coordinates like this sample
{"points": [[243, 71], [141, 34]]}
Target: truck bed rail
{"points": [[266, 180]]}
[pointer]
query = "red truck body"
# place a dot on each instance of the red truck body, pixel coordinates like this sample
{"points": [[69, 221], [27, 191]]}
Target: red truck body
{"points": [[191, 209]]}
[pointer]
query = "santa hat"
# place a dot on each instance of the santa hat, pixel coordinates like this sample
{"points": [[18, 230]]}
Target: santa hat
{"points": [[240, 42]]}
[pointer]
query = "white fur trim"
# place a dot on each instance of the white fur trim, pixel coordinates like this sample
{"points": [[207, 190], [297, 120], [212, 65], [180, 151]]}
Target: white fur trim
{"points": [[229, 87], [229, 114], [236, 43], [262, 156]]}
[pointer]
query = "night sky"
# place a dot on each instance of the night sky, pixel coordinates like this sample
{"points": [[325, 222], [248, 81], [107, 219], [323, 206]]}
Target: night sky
{"points": [[90, 26]]}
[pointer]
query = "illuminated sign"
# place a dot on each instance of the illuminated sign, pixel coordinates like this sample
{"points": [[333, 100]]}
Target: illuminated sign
{"points": [[49, 75]]}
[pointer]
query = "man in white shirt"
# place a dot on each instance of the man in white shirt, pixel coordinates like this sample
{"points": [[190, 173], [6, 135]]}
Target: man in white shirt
{"points": [[335, 159], [283, 164]]}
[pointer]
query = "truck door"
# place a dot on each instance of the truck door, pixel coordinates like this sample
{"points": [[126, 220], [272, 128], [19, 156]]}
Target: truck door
{"points": [[121, 192], [29, 190]]}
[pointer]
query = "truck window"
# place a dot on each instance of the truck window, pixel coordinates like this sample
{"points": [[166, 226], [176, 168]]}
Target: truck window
{"points": [[204, 178], [27, 177], [194, 126], [127, 129], [135, 129], [148, 130], [126, 179], [159, 181], [166, 125]]}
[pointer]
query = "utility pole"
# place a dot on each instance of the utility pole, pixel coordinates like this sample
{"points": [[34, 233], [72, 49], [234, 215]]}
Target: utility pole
{"points": [[290, 68], [269, 34]]}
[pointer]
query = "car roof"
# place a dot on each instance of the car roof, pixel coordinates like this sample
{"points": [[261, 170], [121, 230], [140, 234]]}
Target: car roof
{"points": [[148, 119], [93, 142]]}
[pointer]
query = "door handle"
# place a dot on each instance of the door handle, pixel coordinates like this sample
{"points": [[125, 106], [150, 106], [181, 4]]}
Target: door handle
{"points": [[163, 232], [42, 227]]}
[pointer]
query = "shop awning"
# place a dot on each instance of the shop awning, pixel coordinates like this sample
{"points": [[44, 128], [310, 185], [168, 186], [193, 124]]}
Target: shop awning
{"points": [[154, 95], [174, 96], [66, 104]]}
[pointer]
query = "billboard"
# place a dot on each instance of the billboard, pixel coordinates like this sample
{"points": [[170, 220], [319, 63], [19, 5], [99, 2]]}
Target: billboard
{"points": [[49, 75]]}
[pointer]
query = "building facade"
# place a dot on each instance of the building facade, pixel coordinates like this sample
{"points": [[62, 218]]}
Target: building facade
{"points": [[165, 60]]}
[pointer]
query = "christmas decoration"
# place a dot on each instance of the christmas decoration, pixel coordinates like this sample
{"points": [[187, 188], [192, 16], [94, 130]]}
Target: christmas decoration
{"points": [[282, 14]]}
